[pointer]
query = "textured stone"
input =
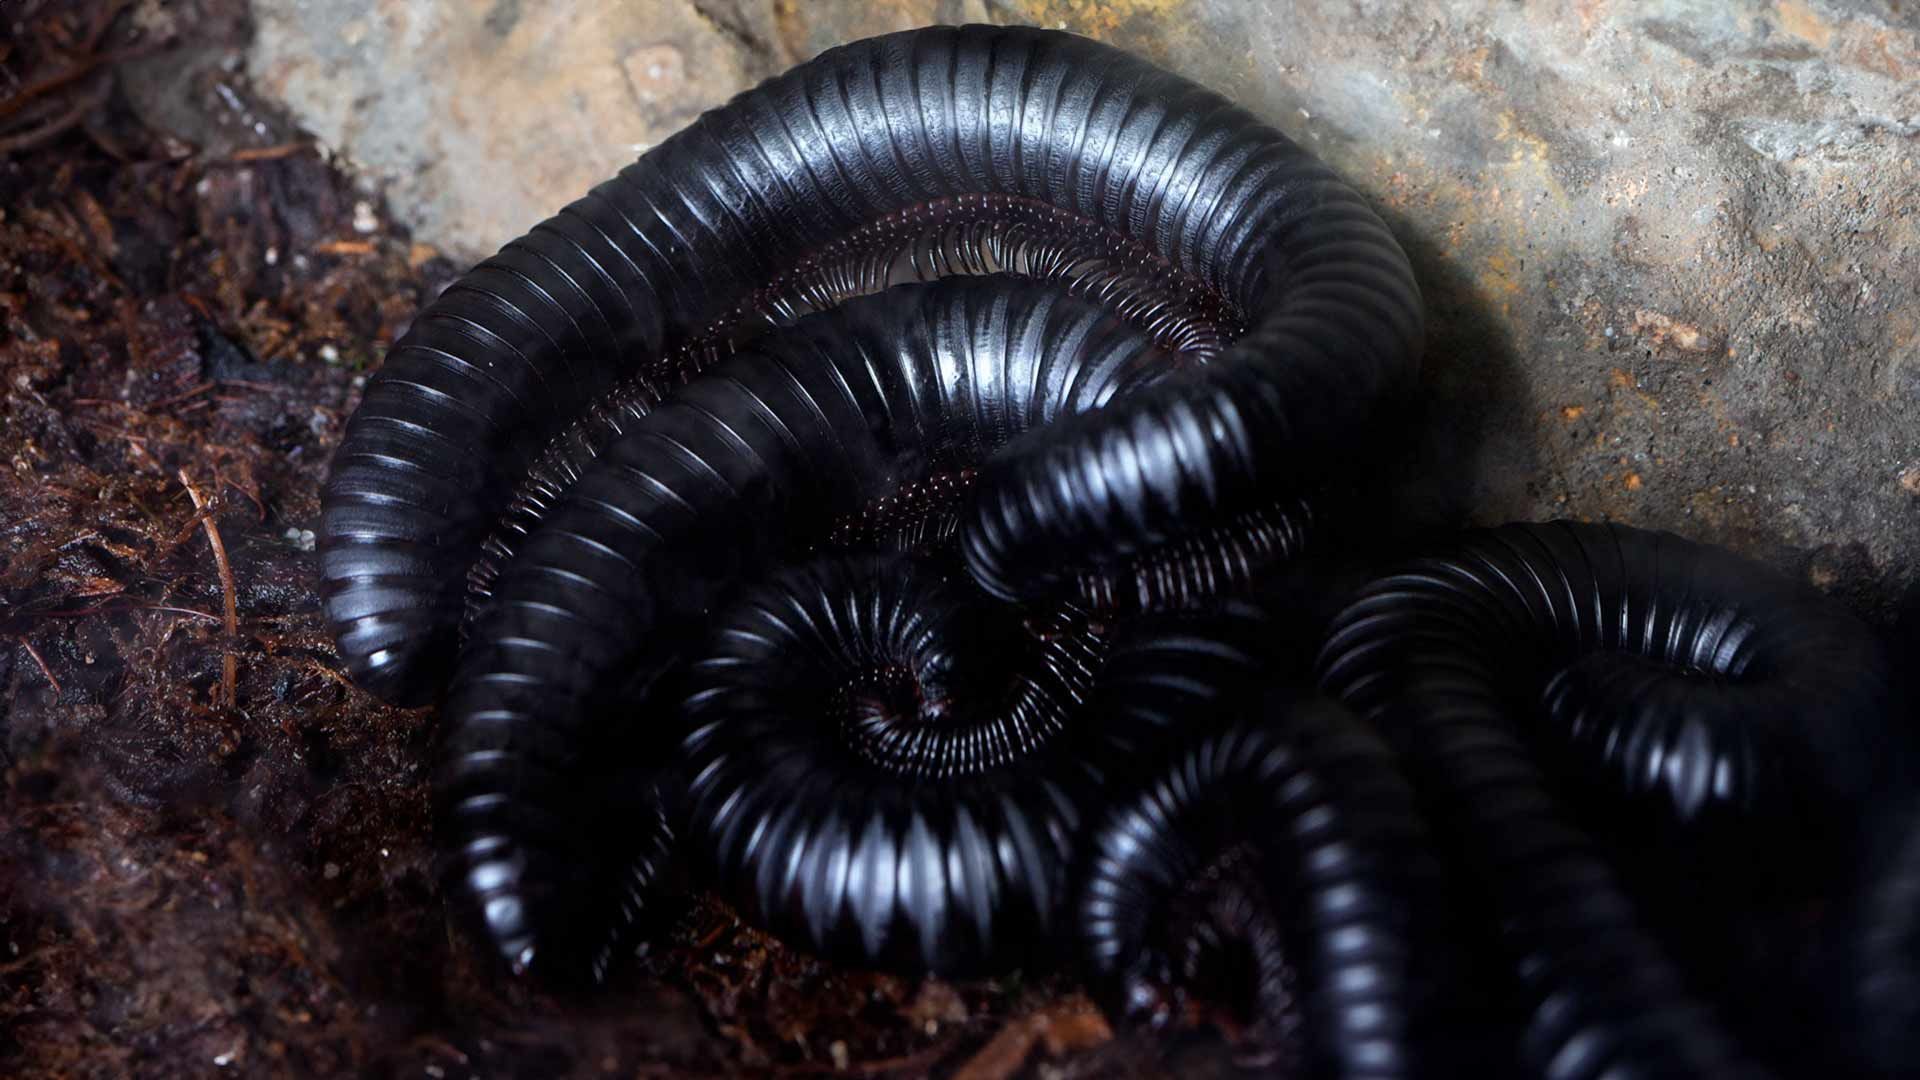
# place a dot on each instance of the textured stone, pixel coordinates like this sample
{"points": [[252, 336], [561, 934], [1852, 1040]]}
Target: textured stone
{"points": [[481, 119], [1671, 248]]}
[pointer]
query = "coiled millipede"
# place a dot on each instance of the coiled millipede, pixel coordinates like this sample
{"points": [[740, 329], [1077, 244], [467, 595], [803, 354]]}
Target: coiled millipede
{"points": [[802, 501]]}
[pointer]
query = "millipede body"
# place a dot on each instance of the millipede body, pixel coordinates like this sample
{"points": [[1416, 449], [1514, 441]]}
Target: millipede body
{"points": [[861, 507], [880, 777], [632, 363], [1686, 696], [1163, 201]]}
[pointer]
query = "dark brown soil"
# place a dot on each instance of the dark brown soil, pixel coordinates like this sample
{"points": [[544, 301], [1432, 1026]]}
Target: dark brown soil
{"points": [[215, 854]]}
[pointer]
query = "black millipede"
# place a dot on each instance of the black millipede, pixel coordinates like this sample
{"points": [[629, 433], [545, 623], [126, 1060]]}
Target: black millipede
{"points": [[1326, 921], [967, 236], [1112, 171], [1689, 698], [1122, 329], [885, 768], [1262, 856], [743, 466]]}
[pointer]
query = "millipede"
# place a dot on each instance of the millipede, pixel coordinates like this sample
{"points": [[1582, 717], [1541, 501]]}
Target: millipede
{"points": [[855, 508], [758, 459], [1130, 160], [1692, 700], [883, 769], [1262, 854]]}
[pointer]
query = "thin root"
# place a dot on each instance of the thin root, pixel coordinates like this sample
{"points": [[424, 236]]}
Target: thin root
{"points": [[61, 124], [45, 671], [229, 663]]}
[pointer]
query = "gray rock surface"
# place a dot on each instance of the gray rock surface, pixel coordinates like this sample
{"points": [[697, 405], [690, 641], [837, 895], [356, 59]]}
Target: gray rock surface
{"points": [[1671, 248]]}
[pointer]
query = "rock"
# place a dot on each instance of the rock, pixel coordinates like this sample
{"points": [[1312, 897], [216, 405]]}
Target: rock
{"points": [[480, 120]]}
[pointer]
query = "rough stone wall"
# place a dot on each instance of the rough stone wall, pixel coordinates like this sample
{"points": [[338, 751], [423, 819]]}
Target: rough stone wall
{"points": [[1671, 248]]}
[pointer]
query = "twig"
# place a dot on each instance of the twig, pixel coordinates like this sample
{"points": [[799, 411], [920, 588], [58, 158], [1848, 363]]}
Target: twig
{"points": [[200, 516], [435, 1044], [59, 125], [918, 1063], [99, 609], [230, 663], [178, 398], [111, 403], [81, 70], [40, 660], [176, 611], [319, 668], [200, 303], [255, 384], [263, 153]]}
